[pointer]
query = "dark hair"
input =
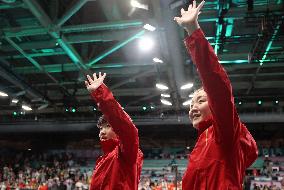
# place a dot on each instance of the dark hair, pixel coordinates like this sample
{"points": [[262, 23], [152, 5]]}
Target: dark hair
{"points": [[198, 89], [102, 120]]}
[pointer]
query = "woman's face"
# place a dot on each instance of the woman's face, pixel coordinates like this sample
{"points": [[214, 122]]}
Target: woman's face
{"points": [[199, 108], [106, 132]]}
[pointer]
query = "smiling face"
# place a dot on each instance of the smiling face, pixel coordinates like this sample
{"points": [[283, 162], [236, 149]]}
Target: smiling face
{"points": [[199, 108]]}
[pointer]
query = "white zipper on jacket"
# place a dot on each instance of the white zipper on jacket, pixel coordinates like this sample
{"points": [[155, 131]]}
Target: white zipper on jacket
{"points": [[206, 140]]}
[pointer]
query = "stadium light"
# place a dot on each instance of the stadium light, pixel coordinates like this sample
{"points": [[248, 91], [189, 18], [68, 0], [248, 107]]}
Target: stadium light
{"points": [[26, 107], [186, 103], [14, 100], [162, 86], [166, 102], [166, 95], [149, 27], [146, 43], [186, 86], [157, 60], [3, 94], [136, 4]]}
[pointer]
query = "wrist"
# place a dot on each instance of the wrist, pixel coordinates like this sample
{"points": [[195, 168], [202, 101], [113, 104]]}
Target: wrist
{"points": [[93, 90], [190, 28]]}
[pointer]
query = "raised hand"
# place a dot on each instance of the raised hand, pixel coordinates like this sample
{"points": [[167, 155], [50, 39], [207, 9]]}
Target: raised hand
{"points": [[93, 84], [188, 19]]}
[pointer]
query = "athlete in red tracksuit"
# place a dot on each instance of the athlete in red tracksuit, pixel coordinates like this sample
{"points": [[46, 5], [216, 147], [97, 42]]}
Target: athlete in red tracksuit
{"points": [[120, 166], [224, 148]]}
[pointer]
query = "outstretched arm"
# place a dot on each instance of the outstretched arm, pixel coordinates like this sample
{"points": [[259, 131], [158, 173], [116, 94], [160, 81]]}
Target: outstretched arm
{"points": [[213, 76], [116, 117]]}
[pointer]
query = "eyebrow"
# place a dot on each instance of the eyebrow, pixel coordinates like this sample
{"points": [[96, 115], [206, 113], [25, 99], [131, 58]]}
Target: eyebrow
{"points": [[104, 125], [198, 97]]}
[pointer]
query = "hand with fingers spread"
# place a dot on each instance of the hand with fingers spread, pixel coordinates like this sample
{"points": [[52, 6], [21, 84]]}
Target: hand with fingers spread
{"points": [[93, 84], [188, 19]]}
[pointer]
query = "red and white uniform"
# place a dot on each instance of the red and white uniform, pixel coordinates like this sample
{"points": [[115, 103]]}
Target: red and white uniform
{"points": [[120, 166], [224, 148]]}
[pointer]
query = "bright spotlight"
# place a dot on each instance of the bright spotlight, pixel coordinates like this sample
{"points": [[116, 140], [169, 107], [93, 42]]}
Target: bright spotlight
{"points": [[26, 107], [146, 43], [3, 94], [186, 103], [186, 86], [165, 95], [134, 3], [191, 95], [166, 102], [14, 100], [149, 27], [157, 60], [138, 5], [162, 86]]}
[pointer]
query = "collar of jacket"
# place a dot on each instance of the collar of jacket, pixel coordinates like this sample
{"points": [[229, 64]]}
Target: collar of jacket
{"points": [[204, 125], [109, 145]]}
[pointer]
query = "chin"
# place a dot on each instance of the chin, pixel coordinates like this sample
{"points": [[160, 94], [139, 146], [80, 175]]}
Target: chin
{"points": [[195, 125]]}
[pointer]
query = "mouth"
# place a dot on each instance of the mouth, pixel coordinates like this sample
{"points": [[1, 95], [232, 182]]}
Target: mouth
{"points": [[196, 116], [103, 138]]}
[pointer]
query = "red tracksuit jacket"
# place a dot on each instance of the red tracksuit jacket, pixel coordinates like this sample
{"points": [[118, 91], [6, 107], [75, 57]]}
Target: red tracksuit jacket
{"points": [[120, 166], [224, 148]]}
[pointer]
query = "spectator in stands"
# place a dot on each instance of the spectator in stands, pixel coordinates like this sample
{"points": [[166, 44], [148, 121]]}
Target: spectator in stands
{"points": [[224, 148], [121, 164], [266, 187]]}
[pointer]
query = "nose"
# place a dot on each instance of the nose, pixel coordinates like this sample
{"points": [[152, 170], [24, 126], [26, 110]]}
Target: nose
{"points": [[193, 109], [102, 132], [194, 106]]}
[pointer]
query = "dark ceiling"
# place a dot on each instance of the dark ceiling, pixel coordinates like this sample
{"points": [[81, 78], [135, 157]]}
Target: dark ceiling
{"points": [[48, 46]]}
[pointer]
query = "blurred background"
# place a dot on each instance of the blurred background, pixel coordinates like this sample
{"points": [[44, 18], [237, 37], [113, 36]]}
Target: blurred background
{"points": [[48, 134]]}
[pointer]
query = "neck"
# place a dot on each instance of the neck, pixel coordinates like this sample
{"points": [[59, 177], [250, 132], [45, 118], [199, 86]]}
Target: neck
{"points": [[203, 125]]}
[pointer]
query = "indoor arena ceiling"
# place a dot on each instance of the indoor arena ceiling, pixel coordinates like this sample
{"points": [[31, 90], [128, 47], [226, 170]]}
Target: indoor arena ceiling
{"points": [[48, 46]]}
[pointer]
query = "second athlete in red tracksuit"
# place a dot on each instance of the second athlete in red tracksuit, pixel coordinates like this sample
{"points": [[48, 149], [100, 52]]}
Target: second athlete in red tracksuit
{"points": [[120, 166], [224, 148]]}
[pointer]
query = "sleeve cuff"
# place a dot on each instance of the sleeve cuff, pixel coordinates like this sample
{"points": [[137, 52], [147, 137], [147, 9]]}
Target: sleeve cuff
{"points": [[98, 93], [190, 40]]}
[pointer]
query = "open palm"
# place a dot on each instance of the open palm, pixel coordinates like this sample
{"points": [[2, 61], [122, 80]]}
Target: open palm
{"points": [[93, 84], [190, 16]]}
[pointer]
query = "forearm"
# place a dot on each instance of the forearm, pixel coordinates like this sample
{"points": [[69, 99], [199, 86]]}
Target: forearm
{"points": [[191, 27], [116, 116], [119, 121], [212, 74], [216, 84]]}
